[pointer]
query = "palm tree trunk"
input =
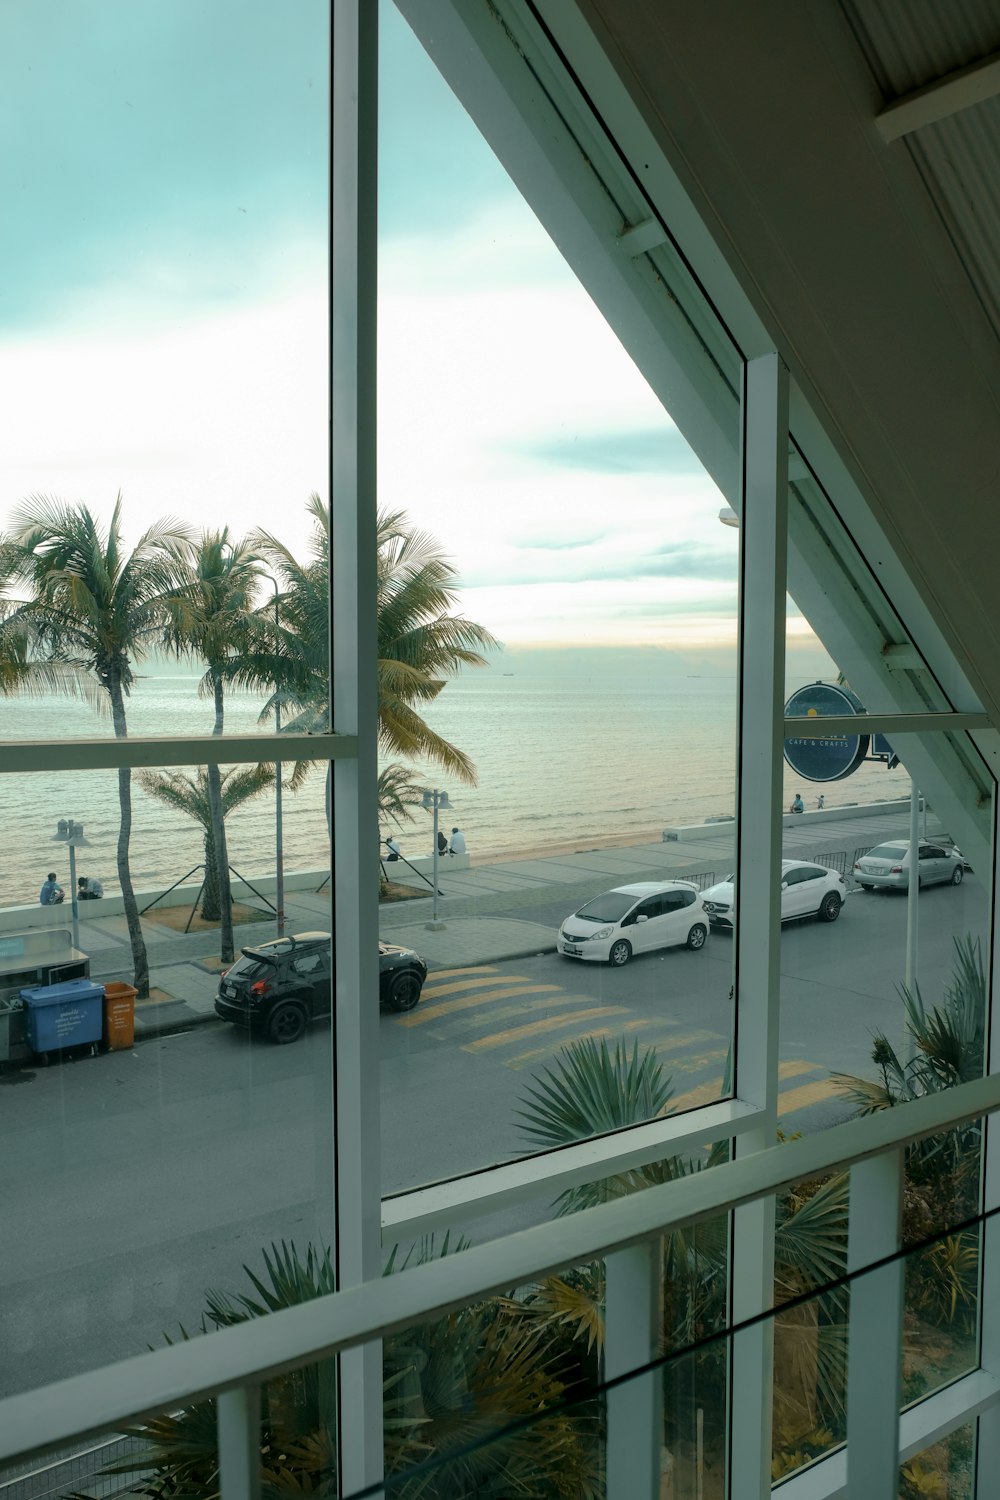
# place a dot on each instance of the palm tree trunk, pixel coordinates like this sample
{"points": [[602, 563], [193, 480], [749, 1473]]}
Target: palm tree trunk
{"points": [[210, 893], [227, 952], [140, 960]]}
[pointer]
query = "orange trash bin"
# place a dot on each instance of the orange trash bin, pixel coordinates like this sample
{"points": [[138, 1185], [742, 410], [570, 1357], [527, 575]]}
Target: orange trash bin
{"points": [[119, 1016]]}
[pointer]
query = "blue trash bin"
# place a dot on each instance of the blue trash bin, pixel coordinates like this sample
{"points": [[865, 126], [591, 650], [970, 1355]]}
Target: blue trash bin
{"points": [[64, 1015]]}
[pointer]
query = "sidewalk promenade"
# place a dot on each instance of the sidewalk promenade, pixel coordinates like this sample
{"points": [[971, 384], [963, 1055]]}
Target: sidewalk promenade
{"points": [[486, 910]]}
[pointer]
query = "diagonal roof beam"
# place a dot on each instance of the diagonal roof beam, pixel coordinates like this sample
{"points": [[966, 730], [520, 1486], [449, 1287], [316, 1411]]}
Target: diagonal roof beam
{"points": [[941, 98]]}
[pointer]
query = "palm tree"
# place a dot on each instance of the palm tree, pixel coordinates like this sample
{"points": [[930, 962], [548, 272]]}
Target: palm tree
{"points": [[96, 608], [420, 641], [476, 1396], [591, 1089], [193, 795], [209, 615]]}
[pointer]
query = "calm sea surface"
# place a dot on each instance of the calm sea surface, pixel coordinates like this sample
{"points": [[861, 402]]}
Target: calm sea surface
{"points": [[565, 753]]}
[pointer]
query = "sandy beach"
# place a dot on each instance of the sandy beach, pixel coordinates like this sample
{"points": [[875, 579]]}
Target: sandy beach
{"points": [[567, 846]]}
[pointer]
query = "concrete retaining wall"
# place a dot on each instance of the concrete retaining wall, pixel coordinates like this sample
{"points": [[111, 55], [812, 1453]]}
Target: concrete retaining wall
{"points": [[407, 871], [31, 916], [694, 831]]}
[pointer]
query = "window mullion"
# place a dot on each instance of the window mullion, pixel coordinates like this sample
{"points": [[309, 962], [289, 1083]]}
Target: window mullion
{"points": [[355, 1057], [763, 549], [988, 1427]]}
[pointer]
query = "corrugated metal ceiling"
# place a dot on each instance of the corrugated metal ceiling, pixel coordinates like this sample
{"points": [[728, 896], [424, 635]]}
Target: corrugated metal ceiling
{"points": [[911, 43]]}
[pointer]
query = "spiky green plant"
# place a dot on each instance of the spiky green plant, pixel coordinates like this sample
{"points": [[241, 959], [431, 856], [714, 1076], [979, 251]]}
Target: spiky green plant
{"points": [[476, 1395]]}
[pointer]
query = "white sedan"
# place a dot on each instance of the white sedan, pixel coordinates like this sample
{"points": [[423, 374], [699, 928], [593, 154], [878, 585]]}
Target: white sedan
{"points": [[807, 890], [635, 919]]}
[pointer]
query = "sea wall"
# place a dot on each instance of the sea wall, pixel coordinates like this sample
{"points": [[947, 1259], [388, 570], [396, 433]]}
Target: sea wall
{"points": [[692, 832], [31, 917]]}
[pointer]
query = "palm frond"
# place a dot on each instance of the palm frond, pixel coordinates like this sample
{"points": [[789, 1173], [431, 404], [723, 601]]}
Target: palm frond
{"points": [[591, 1090]]}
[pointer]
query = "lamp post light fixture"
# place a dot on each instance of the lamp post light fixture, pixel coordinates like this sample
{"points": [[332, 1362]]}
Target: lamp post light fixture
{"points": [[279, 851], [71, 834], [435, 801]]}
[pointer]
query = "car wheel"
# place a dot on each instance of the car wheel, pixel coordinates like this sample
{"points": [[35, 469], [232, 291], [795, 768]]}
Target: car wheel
{"points": [[286, 1023], [697, 935], [404, 992], [957, 875], [829, 907], [620, 954]]}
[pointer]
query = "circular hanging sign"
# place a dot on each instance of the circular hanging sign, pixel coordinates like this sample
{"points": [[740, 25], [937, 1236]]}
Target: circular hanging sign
{"points": [[832, 757]]}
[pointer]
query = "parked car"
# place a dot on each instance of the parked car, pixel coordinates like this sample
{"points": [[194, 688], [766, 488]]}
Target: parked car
{"points": [[278, 987], [807, 890], [888, 866], [635, 919]]}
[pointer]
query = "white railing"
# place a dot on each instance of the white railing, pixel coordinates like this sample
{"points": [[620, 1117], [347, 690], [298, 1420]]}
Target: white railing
{"points": [[241, 1359]]}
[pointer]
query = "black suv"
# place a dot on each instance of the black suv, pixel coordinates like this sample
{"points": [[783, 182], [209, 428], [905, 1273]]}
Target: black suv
{"points": [[278, 987]]}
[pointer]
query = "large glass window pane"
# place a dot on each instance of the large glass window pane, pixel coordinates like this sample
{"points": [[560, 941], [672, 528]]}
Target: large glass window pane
{"points": [[885, 1000], [579, 776], [946, 1470], [509, 1394], [163, 1140], [164, 341]]}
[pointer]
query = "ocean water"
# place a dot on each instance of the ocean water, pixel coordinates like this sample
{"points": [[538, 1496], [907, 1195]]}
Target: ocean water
{"points": [[569, 751], [165, 843], [601, 748]]}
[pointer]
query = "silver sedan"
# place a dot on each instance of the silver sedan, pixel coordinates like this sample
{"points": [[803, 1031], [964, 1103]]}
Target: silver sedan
{"points": [[888, 866]]}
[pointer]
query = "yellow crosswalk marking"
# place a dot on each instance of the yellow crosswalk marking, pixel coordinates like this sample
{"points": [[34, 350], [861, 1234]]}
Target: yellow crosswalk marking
{"points": [[696, 1064], [544, 1054], [796, 1069], [463, 985], [705, 1093], [437, 974], [524, 1059], [535, 1028], [644, 1021], [524, 1004], [425, 1013], [809, 1093]]}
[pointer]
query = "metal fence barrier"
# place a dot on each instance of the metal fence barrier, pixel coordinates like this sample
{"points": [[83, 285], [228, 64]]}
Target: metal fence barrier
{"points": [[78, 1471]]}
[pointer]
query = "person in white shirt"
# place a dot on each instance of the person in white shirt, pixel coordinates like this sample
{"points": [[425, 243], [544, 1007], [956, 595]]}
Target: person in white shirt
{"points": [[457, 841], [392, 846]]}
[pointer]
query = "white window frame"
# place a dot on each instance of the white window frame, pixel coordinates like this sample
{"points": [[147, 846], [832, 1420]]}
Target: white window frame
{"points": [[481, 57]]}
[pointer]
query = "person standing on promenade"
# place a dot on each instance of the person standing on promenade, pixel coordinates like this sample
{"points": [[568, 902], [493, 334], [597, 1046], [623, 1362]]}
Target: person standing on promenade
{"points": [[457, 841], [51, 892], [821, 802]]}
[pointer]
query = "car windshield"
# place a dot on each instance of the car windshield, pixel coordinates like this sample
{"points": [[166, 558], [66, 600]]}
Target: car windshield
{"points": [[888, 851], [610, 907]]}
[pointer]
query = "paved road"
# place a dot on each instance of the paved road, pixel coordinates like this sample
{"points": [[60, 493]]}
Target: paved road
{"points": [[134, 1181]]}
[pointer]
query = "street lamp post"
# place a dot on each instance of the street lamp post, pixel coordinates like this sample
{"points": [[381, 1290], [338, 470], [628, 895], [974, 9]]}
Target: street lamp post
{"points": [[279, 852], [912, 911], [71, 834], [435, 801]]}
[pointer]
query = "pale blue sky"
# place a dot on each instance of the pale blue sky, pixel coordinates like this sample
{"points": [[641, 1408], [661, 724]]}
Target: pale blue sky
{"points": [[163, 320], [151, 133]]}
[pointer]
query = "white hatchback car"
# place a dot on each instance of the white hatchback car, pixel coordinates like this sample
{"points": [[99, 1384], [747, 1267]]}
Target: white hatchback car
{"points": [[635, 919], [807, 890]]}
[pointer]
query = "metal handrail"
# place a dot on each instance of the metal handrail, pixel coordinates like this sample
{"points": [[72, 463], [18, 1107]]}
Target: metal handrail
{"points": [[252, 1353]]}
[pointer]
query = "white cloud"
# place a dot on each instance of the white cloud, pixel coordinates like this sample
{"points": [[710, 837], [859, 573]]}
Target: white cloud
{"points": [[219, 420]]}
